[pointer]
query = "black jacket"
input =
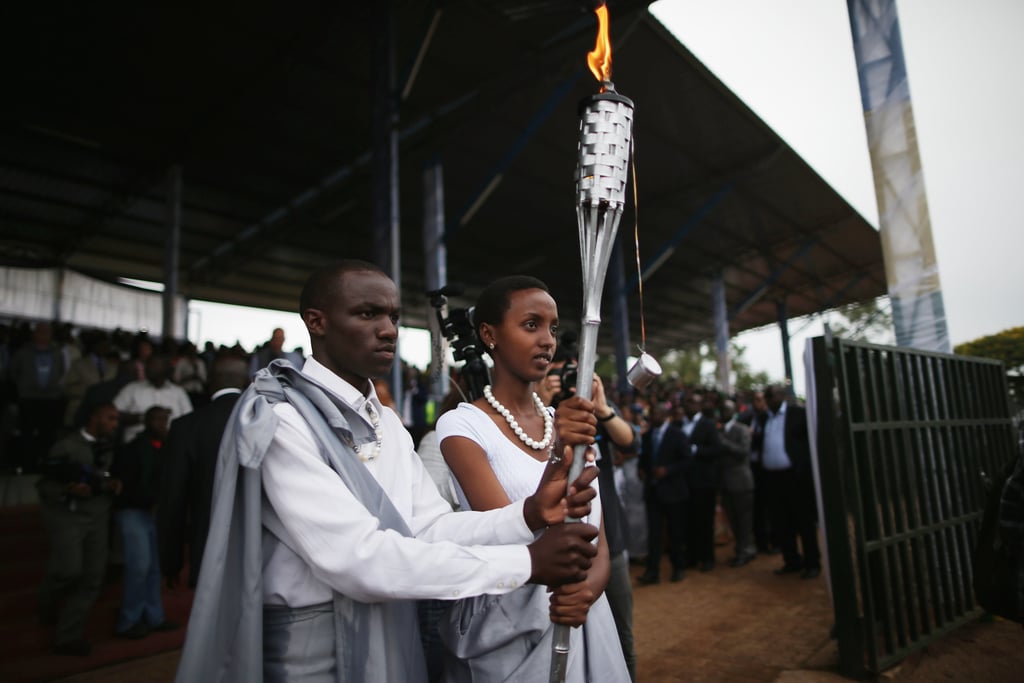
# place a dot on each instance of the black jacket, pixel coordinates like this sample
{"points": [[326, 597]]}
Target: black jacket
{"points": [[673, 454], [703, 474], [186, 487], [137, 465]]}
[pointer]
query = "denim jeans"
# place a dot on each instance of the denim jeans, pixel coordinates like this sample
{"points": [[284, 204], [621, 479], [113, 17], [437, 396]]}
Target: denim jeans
{"points": [[140, 599]]}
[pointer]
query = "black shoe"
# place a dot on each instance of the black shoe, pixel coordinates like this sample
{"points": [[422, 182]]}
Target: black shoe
{"points": [[677, 576], [788, 569], [166, 625], [73, 648], [810, 573], [134, 632], [648, 579], [741, 560], [707, 566]]}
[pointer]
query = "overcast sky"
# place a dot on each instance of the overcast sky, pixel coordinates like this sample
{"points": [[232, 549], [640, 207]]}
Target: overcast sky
{"points": [[792, 62]]}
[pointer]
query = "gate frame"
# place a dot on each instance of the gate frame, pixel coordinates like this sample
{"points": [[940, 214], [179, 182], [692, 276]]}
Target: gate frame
{"points": [[872, 633]]}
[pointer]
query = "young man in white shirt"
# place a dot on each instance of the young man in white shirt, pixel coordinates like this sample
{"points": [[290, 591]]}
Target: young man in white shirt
{"points": [[323, 546]]}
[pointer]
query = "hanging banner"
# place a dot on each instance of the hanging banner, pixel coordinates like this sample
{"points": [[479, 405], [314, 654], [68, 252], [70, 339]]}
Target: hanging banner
{"points": [[911, 269]]}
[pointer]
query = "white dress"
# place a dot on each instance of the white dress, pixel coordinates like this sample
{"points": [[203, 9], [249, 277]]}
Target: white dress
{"points": [[508, 637]]}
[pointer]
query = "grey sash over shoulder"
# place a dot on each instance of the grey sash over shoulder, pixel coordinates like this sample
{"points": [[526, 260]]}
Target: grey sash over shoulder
{"points": [[375, 642]]}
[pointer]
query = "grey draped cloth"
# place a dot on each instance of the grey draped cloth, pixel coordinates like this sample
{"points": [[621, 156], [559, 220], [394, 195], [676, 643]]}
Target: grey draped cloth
{"points": [[507, 639], [224, 642]]}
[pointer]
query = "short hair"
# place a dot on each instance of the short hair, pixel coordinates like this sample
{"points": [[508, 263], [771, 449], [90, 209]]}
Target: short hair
{"points": [[153, 411], [228, 372], [321, 283], [96, 408], [493, 302]]}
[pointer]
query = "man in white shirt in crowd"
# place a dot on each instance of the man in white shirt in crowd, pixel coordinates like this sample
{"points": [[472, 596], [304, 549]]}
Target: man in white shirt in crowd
{"points": [[328, 548], [156, 390], [789, 484]]}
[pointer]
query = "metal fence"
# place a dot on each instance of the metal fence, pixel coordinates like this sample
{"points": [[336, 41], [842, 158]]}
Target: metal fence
{"points": [[904, 438]]}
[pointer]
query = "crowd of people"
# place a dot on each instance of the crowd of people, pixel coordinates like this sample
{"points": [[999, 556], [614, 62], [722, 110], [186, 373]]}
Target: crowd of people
{"points": [[98, 418], [124, 434]]}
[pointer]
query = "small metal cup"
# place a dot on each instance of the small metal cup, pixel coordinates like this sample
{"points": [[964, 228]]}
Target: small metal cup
{"points": [[644, 371]]}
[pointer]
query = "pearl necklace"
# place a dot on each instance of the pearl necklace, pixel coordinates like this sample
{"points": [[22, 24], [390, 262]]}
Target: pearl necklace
{"points": [[507, 414], [375, 421]]}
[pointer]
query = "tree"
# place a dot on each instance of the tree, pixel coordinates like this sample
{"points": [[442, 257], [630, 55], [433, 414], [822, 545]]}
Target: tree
{"points": [[687, 365], [869, 321], [746, 378], [1007, 346]]}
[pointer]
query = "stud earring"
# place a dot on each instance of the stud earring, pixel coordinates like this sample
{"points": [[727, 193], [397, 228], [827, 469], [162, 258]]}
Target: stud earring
{"points": [[491, 346]]}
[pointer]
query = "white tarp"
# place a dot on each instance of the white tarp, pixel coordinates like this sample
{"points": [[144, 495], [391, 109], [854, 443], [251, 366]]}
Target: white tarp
{"points": [[68, 296]]}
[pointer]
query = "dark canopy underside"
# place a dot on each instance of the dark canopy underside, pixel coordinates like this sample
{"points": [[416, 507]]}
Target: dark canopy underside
{"points": [[268, 112]]}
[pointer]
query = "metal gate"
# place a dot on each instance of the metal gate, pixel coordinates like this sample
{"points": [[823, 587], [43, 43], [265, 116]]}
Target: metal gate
{"points": [[904, 438]]}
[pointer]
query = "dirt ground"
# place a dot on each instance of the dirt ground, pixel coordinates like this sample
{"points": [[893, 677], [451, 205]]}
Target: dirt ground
{"points": [[741, 625]]}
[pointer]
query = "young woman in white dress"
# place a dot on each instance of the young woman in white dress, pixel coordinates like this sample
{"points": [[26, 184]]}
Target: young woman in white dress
{"points": [[497, 448]]}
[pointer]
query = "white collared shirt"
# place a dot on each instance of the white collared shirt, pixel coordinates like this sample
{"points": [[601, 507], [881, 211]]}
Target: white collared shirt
{"points": [[224, 392], [689, 423], [138, 397], [773, 454], [330, 542]]}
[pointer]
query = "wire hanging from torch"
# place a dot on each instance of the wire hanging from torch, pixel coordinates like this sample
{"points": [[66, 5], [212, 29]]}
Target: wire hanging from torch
{"points": [[636, 243]]}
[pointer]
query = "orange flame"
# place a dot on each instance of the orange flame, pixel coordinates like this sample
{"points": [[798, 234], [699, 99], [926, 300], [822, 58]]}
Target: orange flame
{"points": [[600, 59]]}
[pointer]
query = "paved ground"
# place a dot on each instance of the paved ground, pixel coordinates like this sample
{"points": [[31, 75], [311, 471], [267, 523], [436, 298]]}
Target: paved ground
{"points": [[741, 626]]}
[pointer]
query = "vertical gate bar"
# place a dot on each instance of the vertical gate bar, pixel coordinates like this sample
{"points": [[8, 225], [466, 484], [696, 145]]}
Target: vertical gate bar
{"points": [[947, 488], [961, 484], [941, 497], [894, 594], [872, 461], [852, 398], [961, 555], [936, 508], [834, 459], [911, 523], [905, 589]]}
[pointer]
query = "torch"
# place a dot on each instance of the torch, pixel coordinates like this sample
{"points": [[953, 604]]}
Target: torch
{"points": [[604, 146]]}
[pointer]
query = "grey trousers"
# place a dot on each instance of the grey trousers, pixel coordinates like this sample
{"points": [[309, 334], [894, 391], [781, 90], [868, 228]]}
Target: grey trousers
{"points": [[343, 641], [75, 569], [298, 644], [739, 507]]}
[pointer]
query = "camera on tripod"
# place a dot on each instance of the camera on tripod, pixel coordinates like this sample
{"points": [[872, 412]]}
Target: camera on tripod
{"points": [[460, 332]]}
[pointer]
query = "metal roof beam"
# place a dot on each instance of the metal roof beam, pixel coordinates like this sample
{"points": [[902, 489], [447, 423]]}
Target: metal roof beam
{"points": [[752, 298]]}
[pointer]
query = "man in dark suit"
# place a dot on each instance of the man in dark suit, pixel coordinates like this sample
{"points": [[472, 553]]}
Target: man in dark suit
{"points": [[702, 480], [190, 461], [789, 484], [75, 499], [664, 459]]}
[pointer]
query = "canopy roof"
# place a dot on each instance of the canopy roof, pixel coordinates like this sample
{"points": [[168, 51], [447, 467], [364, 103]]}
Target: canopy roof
{"points": [[268, 112]]}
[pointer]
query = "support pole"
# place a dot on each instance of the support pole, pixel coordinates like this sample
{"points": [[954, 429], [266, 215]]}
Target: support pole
{"points": [[384, 165], [721, 317], [787, 361], [172, 252], [436, 257]]}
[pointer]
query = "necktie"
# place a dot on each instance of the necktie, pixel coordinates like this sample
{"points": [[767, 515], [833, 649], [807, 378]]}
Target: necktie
{"points": [[656, 443]]}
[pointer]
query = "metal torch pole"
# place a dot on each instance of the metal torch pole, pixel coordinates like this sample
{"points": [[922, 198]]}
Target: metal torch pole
{"points": [[606, 125]]}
